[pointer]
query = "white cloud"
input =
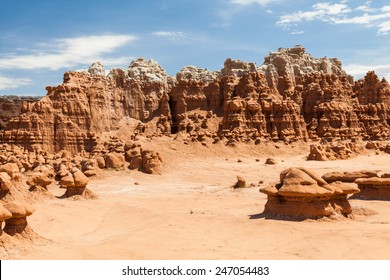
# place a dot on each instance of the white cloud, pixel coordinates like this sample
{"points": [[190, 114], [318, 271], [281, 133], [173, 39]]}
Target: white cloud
{"points": [[297, 32], [174, 36], [341, 13], [320, 11], [384, 28], [248, 2], [8, 83], [233, 7], [360, 70], [67, 52]]}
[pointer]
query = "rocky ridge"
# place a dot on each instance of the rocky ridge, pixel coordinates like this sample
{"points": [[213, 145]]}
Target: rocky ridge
{"points": [[291, 97]]}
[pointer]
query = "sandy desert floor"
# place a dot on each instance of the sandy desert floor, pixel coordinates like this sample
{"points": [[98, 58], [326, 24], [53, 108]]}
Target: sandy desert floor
{"points": [[192, 212]]}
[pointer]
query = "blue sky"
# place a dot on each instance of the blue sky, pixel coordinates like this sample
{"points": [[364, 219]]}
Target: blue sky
{"points": [[41, 39]]}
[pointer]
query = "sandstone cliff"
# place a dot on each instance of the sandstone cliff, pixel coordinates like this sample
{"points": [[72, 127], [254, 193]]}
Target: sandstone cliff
{"points": [[292, 96], [72, 115]]}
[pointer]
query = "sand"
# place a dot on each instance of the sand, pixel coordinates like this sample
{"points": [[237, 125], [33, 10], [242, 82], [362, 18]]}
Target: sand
{"points": [[191, 211]]}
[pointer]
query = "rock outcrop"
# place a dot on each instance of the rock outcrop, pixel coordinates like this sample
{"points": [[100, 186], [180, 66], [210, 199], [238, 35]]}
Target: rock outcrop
{"points": [[291, 97], [72, 115], [301, 194], [334, 150]]}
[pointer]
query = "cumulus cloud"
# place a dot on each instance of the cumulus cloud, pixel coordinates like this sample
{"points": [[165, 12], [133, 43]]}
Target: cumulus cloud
{"points": [[248, 2], [341, 13], [360, 70], [174, 36], [7, 82], [67, 52], [319, 11]]}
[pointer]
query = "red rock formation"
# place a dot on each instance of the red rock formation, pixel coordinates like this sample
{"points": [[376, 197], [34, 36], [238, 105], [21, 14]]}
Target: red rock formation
{"points": [[348, 177], [17, 224], [71, 116], [334, 150], [11, 106], [301, 194], [292, 96]]}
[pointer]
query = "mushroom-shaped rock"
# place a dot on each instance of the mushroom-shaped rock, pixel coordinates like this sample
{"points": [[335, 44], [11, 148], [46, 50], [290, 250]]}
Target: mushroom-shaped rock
{"points": [[18, 222], [373, 188], [75, 182], [5, 182], [38, 179], [4, 215], [302, 194]]}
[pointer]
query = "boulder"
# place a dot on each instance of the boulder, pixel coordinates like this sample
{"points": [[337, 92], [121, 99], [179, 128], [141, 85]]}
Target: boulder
{"points": [[114, 160], [151, 162], [240, 182]]}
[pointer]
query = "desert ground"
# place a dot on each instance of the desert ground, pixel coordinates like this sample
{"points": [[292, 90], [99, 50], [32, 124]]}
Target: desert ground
{"points": [[191, 211]]}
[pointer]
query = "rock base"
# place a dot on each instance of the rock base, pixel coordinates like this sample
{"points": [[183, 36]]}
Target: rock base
{"points": [[294, 208], [373, 192]]}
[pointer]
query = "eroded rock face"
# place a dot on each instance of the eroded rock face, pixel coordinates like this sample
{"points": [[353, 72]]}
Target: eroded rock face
{"points": [[291, 97], [88, 103], [373, 188], [302, 194]]}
